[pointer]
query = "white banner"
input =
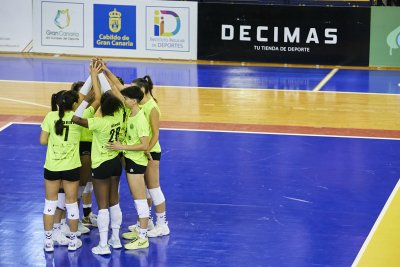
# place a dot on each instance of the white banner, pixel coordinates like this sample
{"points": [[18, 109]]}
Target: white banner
{"points": [[120, 28], [16, 25]]}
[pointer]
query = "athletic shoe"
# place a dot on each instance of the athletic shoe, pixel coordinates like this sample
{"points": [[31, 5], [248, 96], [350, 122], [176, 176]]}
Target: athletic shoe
{"points": [[83, 229], [48, 245], [90, 220], [133, 235], [159, 230], [60, 239], [99, 250], [137, 243], [74, 244], [115, 243], [150, 226], [65, 230]]}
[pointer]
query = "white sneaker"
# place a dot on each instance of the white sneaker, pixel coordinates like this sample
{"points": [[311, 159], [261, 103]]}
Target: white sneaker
{"points": [[48, 246], [133, 227], [74, 244], [150, 226], [115, 243], [60, 239], [99, 250], [65, 230], [83, 229], [159, 230]]}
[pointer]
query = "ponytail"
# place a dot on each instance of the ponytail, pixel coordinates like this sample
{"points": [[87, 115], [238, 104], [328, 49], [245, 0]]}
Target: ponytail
{"points": [[59, 124], [149, 86], [54, 102]]}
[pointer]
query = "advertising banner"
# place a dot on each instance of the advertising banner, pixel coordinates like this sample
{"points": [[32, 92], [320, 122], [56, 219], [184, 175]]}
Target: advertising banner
{"points": [[385, 37], [16, 26], [284, 34], [119, 28]]}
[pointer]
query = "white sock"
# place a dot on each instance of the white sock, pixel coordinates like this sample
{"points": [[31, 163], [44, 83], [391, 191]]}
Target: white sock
{"points": [[72, 235], [63, 221], [161, 218], [48, 234], [142, 233], [103, 221], [116, 220]]}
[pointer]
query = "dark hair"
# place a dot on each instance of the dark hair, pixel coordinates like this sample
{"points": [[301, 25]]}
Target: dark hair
{"points": [[145, 83], [76, 86], [109, 104], [133, 92], [63, 101], [120, 80]]}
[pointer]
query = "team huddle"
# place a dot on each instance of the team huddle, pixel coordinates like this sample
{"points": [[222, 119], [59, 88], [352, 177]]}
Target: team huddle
{"points": [[94, 131]]}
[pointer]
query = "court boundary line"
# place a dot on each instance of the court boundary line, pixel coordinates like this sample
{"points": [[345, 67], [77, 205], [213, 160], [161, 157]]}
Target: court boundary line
{"points": [[227, 88], [376, 224], [242, 132], [326, 79]]}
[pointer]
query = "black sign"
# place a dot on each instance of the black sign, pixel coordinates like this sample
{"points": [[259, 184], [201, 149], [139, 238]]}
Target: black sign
{"points": [[284, 34]]}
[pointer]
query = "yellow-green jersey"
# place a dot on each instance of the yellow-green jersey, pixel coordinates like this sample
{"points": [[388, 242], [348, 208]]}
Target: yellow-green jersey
{"points": [[137, 127], [147, 108], [62, 150], [87, 135], [105, 130], [124, 113]]}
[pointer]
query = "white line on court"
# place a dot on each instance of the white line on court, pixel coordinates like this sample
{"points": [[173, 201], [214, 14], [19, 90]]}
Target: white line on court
{"points": [[376, 224], [24, 102], [325, 80]]}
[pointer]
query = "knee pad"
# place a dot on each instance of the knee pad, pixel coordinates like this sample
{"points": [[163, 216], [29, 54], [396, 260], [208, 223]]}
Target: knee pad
{"points": [[157, 196], [80, 191], [72, 211], [116, 216], [88, 188], [61, 200], [142, 208], [50, 207]]}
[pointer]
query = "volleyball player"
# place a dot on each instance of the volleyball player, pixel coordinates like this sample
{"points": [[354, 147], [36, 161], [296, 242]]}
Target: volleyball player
{"points": [[134, 147], [61, 165], [106, 166], [152, 175]]}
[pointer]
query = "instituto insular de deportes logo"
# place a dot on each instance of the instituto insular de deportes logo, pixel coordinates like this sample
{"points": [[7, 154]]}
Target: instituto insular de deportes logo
{"points": [[62, 19], [114, 21], [159, 23]]}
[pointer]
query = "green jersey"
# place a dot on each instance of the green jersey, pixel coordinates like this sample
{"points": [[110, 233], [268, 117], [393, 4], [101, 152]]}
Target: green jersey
{"points": [[124, 113], [87, 135], [105, 130], [62, 150], [137, 127], [147, 108]]}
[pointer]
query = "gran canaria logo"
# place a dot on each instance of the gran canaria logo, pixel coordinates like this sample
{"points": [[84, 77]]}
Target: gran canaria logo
{"points": [[114, 21], [62, 19], [393, 40], [159, 23]]}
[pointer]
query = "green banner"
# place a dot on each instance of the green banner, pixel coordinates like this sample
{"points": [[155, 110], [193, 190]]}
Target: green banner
{"points": [[385, 37]]}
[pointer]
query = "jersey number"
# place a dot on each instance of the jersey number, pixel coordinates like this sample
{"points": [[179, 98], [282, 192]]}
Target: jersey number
{"points": [[66, 132], [114, 133]]}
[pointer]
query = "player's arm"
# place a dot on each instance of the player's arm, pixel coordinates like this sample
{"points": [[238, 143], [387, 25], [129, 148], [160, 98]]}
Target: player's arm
{"points": [[44, 137], [94, 71], [113, 79], [144, 142], [77, 118]]}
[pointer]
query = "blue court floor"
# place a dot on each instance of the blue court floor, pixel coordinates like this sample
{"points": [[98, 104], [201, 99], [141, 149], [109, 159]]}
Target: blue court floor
{"points": [[202, 75], [233, 199]]}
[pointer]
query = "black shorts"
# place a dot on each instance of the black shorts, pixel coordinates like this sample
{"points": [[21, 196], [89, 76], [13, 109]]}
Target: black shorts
{"points": [[68, 175], [108, 168], [133, 168], [85, 148], [156, 155]]}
